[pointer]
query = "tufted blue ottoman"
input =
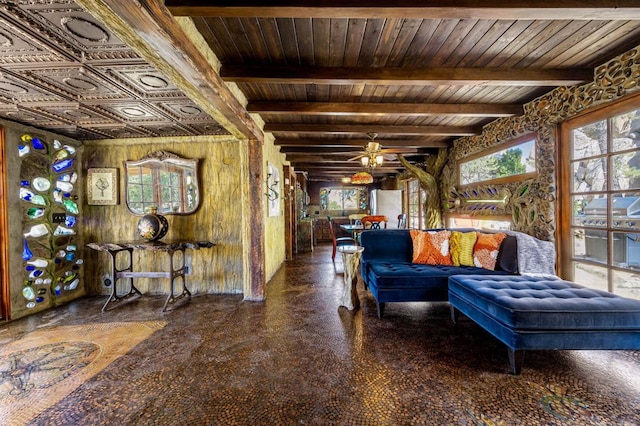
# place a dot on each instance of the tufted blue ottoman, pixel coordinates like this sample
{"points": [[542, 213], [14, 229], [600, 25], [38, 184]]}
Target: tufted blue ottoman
{"points": [[533, 312]]}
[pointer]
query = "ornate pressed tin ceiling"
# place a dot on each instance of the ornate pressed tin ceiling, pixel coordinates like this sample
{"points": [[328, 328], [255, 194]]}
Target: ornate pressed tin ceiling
{"points": [[62, 70]]}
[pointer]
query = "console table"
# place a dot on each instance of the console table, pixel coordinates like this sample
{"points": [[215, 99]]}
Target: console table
{"points": [[169, 247]]}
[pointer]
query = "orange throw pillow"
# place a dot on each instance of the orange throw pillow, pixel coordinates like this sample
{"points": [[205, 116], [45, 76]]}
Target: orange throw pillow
{"points": [[431, 248], [485, 250]]}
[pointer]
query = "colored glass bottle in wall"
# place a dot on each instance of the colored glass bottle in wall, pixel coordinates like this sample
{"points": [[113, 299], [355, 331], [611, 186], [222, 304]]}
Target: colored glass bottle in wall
{"points": [[48, 192]]}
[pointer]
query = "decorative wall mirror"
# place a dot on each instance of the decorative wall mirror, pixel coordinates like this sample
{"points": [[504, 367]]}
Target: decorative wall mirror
{"points": [[163, 180]]}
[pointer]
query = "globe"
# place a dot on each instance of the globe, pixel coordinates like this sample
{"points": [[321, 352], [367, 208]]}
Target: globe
{"points": [[153, 226]]}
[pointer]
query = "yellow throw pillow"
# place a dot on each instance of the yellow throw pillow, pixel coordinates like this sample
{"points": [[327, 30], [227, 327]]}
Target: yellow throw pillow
{"points": [[486, 248], [461, 246], [431, 247]]}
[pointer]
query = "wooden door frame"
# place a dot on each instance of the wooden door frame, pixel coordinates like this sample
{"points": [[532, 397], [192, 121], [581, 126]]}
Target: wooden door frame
{"points": [[564, 212], [289, 210], [4, 232]]}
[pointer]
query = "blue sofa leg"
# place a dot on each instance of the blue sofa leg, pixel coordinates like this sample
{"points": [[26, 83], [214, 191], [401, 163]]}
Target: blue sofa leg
{"points": [[454, 316], [516, 359], [380, 307]]}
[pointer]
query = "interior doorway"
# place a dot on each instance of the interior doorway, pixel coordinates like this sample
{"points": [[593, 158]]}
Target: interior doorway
{"points": [[4, 231]]}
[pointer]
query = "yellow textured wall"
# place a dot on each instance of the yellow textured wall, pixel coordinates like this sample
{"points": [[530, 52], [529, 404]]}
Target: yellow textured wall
{"points": [[223, 190], [274, 239]]}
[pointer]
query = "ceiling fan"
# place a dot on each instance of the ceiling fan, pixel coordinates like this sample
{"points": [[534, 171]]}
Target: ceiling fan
{"points": [[374, 155]]}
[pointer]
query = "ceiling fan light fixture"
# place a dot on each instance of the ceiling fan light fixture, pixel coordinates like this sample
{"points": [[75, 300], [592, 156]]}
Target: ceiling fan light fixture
{"points": [[364, 161], [379, 160]]}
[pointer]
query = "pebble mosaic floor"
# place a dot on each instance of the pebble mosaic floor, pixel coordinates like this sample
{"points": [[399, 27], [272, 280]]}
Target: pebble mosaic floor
{"points": [[300, 359]]}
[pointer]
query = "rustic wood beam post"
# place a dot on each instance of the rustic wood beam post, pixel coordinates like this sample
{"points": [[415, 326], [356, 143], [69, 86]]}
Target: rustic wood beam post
{"points": [[256, 237]]}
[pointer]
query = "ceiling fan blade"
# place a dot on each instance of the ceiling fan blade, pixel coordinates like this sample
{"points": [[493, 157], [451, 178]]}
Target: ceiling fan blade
{"points": [[398, 150], [356, 157]]}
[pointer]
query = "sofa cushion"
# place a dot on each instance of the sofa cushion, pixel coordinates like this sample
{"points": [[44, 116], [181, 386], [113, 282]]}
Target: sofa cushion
{"points": [[545, 303], [431, 247], [461, 246], [486, 249], [508, 255], [410, 275]]}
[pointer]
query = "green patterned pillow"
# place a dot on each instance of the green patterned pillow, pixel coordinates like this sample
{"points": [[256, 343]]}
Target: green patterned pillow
{"points": [[461, 246]]}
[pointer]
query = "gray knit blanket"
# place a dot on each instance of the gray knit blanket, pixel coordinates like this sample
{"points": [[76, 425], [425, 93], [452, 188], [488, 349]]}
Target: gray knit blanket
{"points": [[535, 256]]}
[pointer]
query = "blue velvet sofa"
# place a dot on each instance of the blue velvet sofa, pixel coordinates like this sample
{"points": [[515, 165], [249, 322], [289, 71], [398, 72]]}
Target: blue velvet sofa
{"points": [[391, 276]]}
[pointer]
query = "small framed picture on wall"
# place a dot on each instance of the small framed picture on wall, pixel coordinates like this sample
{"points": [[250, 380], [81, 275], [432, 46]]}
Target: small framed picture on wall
{"points": [[102, 186]]}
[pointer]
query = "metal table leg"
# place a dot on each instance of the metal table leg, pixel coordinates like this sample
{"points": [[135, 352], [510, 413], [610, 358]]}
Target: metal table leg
{"points": [[173, 274], [118, 274]]}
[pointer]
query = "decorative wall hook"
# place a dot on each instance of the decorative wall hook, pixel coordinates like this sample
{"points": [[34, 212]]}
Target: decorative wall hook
{"points": [[272, 186]]}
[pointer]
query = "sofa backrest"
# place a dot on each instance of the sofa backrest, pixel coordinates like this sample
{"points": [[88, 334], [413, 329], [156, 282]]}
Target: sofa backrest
{"points": [[395, 245], [386, 244]]}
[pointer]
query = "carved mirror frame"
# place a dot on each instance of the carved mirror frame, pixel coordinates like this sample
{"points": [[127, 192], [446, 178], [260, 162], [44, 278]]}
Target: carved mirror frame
{"points": [[163, 180]]}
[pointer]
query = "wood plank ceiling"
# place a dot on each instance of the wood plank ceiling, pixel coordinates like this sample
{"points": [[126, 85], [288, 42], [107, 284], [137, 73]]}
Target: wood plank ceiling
{"points": [[323, 75]]}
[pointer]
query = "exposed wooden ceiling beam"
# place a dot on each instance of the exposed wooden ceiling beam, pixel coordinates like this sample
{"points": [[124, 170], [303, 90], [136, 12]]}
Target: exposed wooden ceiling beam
{"points": [[351, 143], [320, 156], [366, 128], [342, 160], [149, 28], [349, 172], [439, 9], [329, 153], [335, 143], [407, 76], [356, 166], [386, 109]]}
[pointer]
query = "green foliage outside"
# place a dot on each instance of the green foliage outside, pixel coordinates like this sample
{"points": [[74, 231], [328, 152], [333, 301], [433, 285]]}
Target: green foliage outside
{"points": [[507, 163]]}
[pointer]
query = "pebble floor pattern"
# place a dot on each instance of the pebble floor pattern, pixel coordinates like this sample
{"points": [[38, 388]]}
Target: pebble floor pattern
{"points": [[300, 359]]}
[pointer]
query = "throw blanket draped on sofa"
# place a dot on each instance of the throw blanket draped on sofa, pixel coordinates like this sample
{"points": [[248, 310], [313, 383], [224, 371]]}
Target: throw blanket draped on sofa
{"points": [[534, 256]]}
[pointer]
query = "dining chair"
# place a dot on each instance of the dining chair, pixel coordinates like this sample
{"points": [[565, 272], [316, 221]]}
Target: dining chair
{"points": [[338, 241], [402, 221], [356, 218], [375, 222]]}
